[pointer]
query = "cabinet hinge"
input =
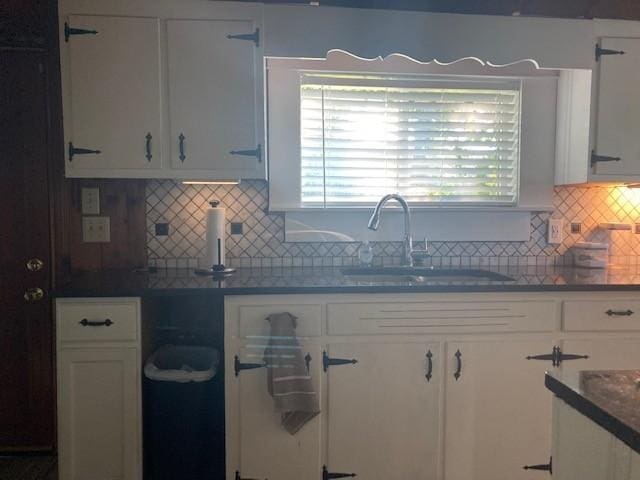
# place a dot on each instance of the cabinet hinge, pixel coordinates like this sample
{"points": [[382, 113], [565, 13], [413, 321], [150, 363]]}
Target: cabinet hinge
{"points": [[238, 366], [68, 31], [327, 361], [595, 159], [557, 357], [545, 467], [606, 51], [80, 151], [238, 477], [252, 37], [256, 152], [327, 475]]}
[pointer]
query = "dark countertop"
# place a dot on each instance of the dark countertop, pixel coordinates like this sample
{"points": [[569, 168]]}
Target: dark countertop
{"points": [[252, 281], [609, 398]]}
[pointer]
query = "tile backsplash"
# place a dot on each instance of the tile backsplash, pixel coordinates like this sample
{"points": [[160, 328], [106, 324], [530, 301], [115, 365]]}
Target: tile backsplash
{"points": [[262, 242]]}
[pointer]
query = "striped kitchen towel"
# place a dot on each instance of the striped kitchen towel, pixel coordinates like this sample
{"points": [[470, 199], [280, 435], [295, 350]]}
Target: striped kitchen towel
{"points": [[288, 379]]}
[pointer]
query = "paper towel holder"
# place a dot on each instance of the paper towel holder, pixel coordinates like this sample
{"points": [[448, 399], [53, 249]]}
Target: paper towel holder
{"points": [[217, 269]]}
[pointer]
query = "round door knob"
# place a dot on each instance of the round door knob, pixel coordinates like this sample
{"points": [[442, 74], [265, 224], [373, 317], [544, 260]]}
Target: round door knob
{"points": [[34, 294], [34, 264]]}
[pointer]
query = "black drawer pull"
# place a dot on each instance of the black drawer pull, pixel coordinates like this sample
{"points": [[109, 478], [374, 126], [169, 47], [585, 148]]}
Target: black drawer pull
{"points": [[147, 146], [88, 323], [181, 139], [429, 373], [619, 313], [458, 372]]}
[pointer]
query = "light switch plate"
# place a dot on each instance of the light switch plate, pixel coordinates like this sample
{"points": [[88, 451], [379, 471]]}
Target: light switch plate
{"points": [[555, 231], [90, 201], [96, 229]]}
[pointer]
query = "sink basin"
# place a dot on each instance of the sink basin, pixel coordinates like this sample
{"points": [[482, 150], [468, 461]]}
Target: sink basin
{"points": [[421, 274]]}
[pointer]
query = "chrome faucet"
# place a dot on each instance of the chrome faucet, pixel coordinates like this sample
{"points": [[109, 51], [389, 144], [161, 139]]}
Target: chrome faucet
{"points": [[408, 252]]}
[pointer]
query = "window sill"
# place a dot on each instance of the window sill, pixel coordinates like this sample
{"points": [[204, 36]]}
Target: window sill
{"points": [[419, 208]]}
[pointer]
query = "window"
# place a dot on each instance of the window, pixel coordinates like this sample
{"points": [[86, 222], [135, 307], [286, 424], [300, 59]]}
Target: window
{"points": [[434, 140]]}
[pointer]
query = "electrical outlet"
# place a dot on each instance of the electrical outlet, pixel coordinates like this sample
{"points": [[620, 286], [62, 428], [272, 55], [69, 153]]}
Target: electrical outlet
{"points": [[162, 229], [236, 228], [554, 231], [90, 201], [576, 227], [96, 229]]}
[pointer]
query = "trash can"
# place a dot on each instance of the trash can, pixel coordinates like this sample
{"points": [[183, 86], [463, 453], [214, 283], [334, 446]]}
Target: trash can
{"points": [[179, 407]]}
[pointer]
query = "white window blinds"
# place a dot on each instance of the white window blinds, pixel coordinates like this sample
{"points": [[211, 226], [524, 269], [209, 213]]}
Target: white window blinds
{"points": [[438, 141]]}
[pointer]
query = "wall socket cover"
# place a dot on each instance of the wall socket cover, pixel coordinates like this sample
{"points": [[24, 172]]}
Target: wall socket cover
{"points": [[96, 229], [555, 231], [90, 200]]}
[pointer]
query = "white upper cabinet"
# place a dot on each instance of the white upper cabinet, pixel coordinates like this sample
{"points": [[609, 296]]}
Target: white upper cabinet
{"points": [[212, 97], [611, 152], [112, 96], [147, 94], [618, 114]]}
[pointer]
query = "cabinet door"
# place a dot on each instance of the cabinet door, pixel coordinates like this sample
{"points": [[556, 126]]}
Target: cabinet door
{"points": [[383, 413], [113, 95], [212, 98], [498, 411], [266, 449], [99, 414], [581, 449], [619, 107], [604, 354]]}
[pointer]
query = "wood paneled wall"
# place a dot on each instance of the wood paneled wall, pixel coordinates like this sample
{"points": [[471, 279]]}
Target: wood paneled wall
{"points": [[121, 200]]}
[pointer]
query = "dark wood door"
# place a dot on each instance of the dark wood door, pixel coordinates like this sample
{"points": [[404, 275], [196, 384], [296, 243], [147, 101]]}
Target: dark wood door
{"points": [[26, 327]]}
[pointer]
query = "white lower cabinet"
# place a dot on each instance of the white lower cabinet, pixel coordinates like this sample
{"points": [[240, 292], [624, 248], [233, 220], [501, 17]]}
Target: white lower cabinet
{"points": [[263, 443], [99, 389], [582, 450], [496, 407], [483, 413], [383, 412]]}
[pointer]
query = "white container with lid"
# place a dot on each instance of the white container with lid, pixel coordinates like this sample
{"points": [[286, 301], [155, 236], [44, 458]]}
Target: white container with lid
{"points": [[590, 254]]}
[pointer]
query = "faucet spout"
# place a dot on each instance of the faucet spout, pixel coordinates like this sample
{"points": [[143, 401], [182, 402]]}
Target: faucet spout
{"points": [[374, 223]]}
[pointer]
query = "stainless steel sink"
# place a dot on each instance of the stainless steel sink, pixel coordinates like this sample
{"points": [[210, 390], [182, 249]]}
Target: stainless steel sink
{"points": [[421, 274]]}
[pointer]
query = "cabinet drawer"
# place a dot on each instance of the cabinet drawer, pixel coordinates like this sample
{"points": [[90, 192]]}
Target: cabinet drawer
{"points": [[253, 319], [104, 320], [440, 317], [601, 315]]}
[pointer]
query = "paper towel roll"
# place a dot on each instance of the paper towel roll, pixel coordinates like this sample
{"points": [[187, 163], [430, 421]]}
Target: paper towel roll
{"points": [[215, 231]]}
